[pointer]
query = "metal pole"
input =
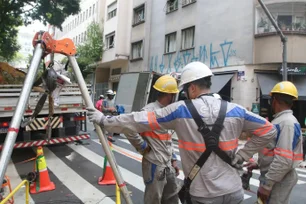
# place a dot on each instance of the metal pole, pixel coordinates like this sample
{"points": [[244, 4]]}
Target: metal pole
{"points": [[105, 146], [285, 76], [20, 108], [282, 36]]}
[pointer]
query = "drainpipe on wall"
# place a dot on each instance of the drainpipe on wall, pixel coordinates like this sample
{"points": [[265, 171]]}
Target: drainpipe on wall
{"points": [[282, 36]]}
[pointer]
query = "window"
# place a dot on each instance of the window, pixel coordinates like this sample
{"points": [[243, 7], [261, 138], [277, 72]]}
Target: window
{"points": [[75, 22], [89, 11], [86, 14], [76, 40], [186, 2], [112, 10], [93, 9], [110, 40], [188, 38], [139, 14], [170, 43], [137, 50], [172, 5], [116, 71], [285, 22], [78, 21], [83, 16], [85, 35]]}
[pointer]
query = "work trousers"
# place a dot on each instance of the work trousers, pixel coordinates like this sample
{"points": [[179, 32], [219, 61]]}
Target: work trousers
{"points": [[232, 198], [281, 191], [160, 182]]}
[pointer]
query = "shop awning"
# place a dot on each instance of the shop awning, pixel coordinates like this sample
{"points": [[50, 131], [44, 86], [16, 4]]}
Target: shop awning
{"points": [[219, 81], [300, 83], [267, 82]]}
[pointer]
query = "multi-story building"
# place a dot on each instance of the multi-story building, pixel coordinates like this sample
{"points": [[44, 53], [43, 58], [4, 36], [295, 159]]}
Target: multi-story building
{"points": [[233, 37], [75, 26], [25, 38], [117, 31], [115, 18]]}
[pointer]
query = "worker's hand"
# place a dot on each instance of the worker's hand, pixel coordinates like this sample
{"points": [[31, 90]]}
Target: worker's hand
{"points": [[145, 150], [251, 165], [177, 169], [95, 116], [237, 161], [264, 193]]}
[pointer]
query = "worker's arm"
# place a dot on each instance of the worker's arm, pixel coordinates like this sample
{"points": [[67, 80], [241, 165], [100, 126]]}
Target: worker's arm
{"points": [[138, 142], [139, 121], [262, 132], [288, 149]]}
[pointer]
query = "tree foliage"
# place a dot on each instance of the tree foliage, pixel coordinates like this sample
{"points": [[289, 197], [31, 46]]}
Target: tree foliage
{"points": [[14, 13], [91, 50]]}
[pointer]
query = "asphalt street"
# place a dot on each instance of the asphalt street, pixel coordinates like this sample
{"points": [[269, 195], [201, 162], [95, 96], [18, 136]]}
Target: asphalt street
{"points": [[75, 169]]}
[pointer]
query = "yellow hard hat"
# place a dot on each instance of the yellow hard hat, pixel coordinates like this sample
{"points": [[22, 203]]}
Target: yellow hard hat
{"points": [[166, 84], [285, 87]]}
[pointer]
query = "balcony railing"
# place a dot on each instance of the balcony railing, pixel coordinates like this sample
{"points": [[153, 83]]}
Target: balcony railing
{"points": [[286, 28]]}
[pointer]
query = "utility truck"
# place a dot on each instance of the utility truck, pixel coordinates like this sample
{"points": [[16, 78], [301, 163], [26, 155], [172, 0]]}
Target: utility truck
{"points": [[66, 124]]}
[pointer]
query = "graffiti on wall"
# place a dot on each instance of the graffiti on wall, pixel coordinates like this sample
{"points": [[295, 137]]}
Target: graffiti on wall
{"points": [[214, 55]]}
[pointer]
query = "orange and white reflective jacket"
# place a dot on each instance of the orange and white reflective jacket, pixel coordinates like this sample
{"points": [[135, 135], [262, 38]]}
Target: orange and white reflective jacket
{"points": [[159, 140], [285, 152], [216, 178]]}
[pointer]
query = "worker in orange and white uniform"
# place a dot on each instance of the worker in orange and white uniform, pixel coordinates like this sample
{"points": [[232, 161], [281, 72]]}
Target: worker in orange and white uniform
{"points": [[159, 168], [217, 181], [278, 160]]}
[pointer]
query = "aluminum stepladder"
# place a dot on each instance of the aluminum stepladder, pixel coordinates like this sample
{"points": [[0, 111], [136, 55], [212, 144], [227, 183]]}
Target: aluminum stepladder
{"points": [[44, 44]]}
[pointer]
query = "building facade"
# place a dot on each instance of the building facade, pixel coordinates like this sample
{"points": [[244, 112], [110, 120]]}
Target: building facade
{"points": [[234, 38], [116, 31]]}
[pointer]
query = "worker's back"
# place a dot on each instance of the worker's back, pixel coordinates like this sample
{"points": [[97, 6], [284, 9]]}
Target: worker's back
{"points": [[216, 177]]}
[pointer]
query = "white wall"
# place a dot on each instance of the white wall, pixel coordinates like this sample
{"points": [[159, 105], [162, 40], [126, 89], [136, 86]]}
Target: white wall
{"points": [[224, 34], [121, 25]]}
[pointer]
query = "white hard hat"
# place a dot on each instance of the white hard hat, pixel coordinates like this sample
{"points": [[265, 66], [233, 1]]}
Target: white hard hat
{"points": [[110, 92], [217, 96], [194, 71], [102, 96]]}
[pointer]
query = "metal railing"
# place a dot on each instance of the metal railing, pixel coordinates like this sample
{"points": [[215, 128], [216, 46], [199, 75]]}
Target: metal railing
{"points": [[26, 183]]}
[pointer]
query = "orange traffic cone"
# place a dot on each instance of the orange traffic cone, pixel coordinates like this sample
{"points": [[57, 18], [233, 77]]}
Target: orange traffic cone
{"points": [[107, 177], [42, 182]]}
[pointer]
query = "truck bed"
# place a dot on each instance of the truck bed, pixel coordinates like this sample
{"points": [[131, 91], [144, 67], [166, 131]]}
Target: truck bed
{"points": [[70, 101]]}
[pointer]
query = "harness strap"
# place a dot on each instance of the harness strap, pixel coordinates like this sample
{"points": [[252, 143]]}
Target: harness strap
{"points": [[211, 138]]}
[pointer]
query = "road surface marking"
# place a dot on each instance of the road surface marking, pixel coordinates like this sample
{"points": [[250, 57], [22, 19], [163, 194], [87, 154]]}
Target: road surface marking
{"points": [[138, 157], [128, 176], [86, 192], [127, 142], [15, 180]]}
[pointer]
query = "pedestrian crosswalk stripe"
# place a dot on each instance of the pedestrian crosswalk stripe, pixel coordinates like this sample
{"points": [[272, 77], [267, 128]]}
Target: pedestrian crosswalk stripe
{"points": [[128, 176], [15, 180], [301, 170], [176, 150], [85, 191], [138, 157], [68, 174]]}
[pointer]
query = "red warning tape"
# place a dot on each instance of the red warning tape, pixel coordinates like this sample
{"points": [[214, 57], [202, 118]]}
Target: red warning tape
{"points": [[121, 185], [13, 130]]}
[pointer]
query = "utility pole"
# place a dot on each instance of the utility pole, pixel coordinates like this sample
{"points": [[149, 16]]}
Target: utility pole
{"points": [[282, 36]]}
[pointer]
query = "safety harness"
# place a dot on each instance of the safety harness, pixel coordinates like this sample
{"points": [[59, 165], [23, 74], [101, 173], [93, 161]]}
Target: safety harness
{"points": [[211, 138]]}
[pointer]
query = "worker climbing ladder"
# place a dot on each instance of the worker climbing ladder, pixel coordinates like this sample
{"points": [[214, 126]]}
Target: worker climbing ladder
{"points": [[44, 45]]}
